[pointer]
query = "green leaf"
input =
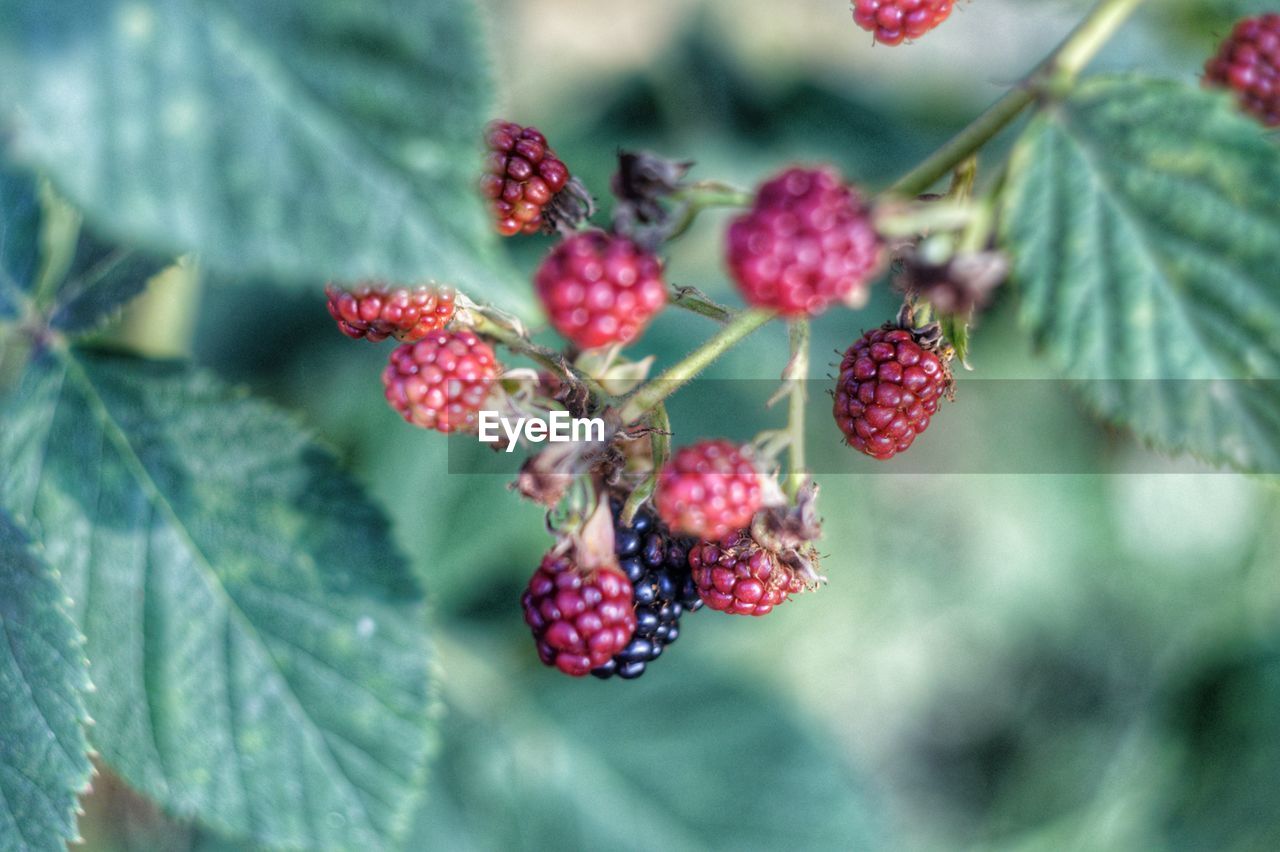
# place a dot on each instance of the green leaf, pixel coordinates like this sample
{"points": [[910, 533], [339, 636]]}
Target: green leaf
{"points": [[1225, 720], [81, 289], [100, 279], [1145, 229], [20, 222], [297, 139], [681, 759], [255, 637], [44, 762]]}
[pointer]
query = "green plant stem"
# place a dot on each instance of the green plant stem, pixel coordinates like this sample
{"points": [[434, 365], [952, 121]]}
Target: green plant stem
{"points": [[1060, 68], [660, 441], [647, 396], [798, 374], [695, 301], [906, 219], [705, 195], [540, 355]]}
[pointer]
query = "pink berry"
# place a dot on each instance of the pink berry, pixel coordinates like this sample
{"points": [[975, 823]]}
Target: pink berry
{"points": [[806, 243], [708, 490], [579, 619], [600, 289], [889, 388], [738, 576], [523, 175], [895, 21], [442, 381], [1248, 63], [376, 312]]}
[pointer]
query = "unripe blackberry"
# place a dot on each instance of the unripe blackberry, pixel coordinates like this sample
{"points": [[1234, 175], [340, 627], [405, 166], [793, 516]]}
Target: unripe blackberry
{"points": [[891, 382], [376, 312], [806, 243], [579, 619], [738, 576], [708, 490], [529, 188], [657, 564], [600, 289], [1248, 63], [894, 21], [442, 381]]}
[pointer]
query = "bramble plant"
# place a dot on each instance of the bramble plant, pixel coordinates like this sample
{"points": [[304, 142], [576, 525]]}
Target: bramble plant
{"points": [[254, 638]]}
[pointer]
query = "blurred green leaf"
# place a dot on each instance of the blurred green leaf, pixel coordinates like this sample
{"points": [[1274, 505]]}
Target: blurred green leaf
{"points": [[100, 279], [255, 636], [19, 239], [679, 759], [1227, 720], [306, 140], [44, 761], [1143, 222], [92, 280]]}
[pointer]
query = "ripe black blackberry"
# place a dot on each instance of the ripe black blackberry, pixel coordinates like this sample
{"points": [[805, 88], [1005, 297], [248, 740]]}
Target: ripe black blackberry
{"points": [[657, 564]]}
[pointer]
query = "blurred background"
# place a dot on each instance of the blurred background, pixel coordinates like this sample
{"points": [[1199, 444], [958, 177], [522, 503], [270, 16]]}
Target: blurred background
{"points": [[1010, 662]]}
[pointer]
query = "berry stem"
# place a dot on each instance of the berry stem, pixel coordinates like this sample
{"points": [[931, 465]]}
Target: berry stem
{"points": [[963, 178], [644, 398], [797, 374], [705, 195], [660, 441], [898, 219], [541, 355], [1061, 67]]}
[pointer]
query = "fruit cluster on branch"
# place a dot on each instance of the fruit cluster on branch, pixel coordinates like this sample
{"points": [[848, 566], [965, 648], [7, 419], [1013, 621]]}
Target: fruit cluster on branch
{"points": [[644, 535]]}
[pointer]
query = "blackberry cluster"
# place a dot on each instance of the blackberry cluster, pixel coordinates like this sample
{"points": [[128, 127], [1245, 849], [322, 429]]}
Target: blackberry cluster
{"points": [[657, 565]]}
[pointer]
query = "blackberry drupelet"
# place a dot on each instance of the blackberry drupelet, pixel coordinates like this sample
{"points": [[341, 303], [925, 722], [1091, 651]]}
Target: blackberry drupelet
{"points": [[656, 563]]}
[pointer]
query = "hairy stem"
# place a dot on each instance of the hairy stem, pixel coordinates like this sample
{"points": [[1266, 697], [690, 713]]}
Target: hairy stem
{"points": [[648, 395], [1062, 66]]}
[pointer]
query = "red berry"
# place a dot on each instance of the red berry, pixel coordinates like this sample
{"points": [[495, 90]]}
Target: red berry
{"points": [[708, 490], [889, 387], [579, 620], [894, 21], [522, 177], [600, 289], [1248, 63], [738, 576], [376, 312], [806, 243], [441, 381]]}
